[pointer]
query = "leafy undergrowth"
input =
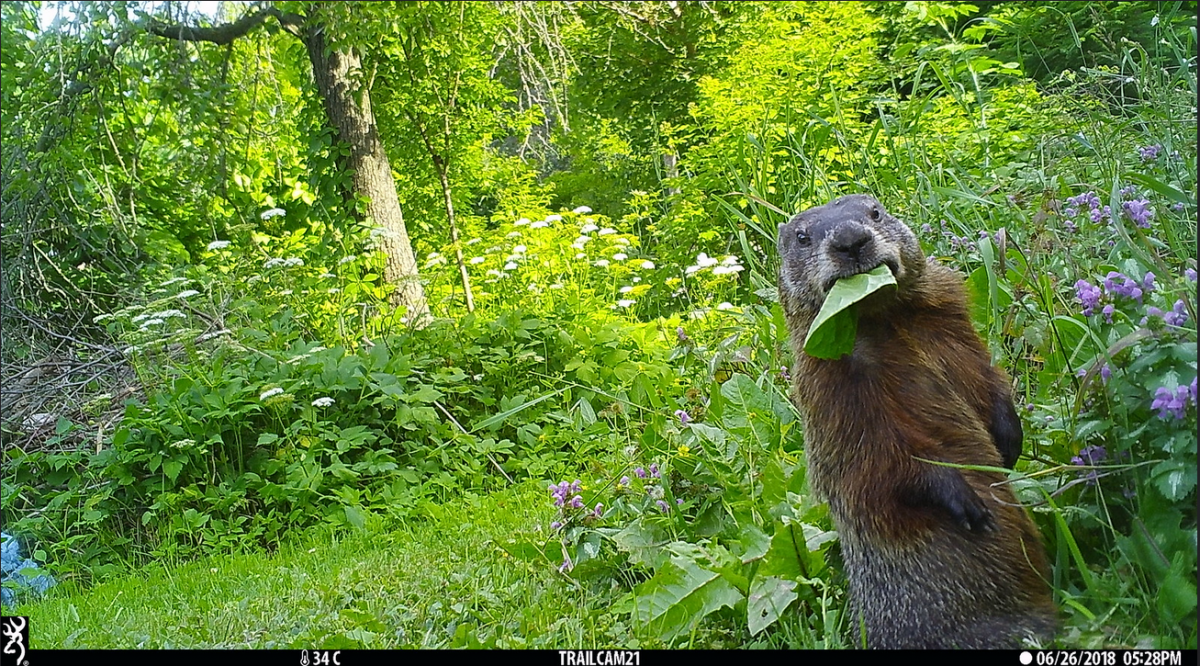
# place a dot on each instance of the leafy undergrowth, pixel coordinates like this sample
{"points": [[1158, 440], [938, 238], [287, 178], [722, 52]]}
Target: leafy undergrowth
{"points": [[442, 581]]}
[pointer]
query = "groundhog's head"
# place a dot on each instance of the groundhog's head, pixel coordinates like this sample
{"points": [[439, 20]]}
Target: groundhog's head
{"points": [[850, 235]]}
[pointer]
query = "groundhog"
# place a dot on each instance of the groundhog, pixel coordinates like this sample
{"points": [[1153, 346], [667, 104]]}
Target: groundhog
{"points": [[936, 556]]}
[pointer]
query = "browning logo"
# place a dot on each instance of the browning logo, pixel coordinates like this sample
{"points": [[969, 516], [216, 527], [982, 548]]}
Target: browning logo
{"points": [[14, 635]]}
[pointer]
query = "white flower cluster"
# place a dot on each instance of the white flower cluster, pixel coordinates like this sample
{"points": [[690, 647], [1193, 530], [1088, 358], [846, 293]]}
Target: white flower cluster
{"points": [[322, 402], [218, 245], [274, 212], [726, 266], [270, 393], [286, 263]]}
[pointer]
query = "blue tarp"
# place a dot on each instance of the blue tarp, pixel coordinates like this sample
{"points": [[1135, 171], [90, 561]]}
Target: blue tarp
{"points": [[25, 573]]}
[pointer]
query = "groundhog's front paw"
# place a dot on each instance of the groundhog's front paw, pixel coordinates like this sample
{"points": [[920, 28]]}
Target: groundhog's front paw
{"points": [[945, 488], [969, 511]]}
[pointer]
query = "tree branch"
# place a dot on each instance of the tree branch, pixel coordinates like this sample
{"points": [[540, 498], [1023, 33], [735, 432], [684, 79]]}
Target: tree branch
{"points": [[225, 33]]}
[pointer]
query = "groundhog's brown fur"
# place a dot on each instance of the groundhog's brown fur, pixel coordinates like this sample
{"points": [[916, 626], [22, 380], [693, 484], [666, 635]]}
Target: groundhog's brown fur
{"points": [[936, 556]]}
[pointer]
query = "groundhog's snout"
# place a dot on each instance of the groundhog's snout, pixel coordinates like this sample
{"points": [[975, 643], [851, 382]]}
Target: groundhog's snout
{"points": [[851, 242]]}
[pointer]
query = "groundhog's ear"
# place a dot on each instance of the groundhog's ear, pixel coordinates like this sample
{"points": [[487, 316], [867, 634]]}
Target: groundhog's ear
{"points": [[779, 231]]}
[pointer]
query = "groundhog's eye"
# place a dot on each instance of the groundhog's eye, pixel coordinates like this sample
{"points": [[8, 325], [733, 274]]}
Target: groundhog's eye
{"points": [[802, 237], [874, 213]]}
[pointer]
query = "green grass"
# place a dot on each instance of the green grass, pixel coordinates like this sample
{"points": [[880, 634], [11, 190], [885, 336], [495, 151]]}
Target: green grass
{"points": [[436, 582]]}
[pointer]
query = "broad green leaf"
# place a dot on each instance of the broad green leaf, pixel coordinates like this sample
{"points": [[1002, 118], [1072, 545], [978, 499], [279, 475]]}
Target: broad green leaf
{"points": [[769, 597], [680, 595], [832, 333], [354, 516], [496, 419]]}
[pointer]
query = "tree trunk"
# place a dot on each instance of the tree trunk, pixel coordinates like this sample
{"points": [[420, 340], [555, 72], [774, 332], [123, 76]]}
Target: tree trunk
{"points": [[355, 124], [442, 168]]}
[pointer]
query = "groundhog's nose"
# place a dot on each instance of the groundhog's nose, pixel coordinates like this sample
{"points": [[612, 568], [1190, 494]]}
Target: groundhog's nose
{"points": [[850, 240]]}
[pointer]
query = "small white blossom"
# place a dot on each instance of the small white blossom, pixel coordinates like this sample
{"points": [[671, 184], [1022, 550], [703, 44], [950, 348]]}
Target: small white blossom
{"points": [[602, 263], [187, 293], [607, 230], [620, 256], [209, 336], [589, 228], [151, 322], [494, 273], [272, 263], [174, 280], [725, 305], [648, 265], [347, 259], [513, 234], [621, 241], [141, 317], [322, 402], [637, 279], [334, 290], [553, 218], [626, 302], [476, 260], [286, 292], [582, 210], [583, 240], [540, 224], [510, 266], [184, 443], [270, 393], [556, 285], [326, 276], [581, 255], [474, 241], [101, 317], [730, 260], [521, 222], [520, 249], [293, 261], [704, 261], [166, 314], [218, 245], [274, 212], [625, 290]]}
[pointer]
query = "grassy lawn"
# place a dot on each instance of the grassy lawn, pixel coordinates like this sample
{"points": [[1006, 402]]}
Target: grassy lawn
{"points": [[442, 581]]}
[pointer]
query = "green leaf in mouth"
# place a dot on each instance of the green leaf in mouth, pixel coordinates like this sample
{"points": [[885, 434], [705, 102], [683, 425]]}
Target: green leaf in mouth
{"points": [[832, 333]]}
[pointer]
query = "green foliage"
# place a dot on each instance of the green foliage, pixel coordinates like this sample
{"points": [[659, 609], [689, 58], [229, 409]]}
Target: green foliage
{"points": [[186, 203]]}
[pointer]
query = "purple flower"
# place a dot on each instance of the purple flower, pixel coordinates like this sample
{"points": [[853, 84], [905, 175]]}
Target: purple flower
{"points": [[784, 374], [983, 233], [1171, 403], [683, 337], [1149, 153], [1089, 296], [1190, 274], [576, 486], [565, 566], [1177, 206], [1192, 391], [1148, 282], [680, 500], [1178, 314], [1098, 214], [1090, 455], [1105, 373], [1070, 227], [1029, 407], [1071, 211], [654, 470], [599, 510], [555, 525], [684, 417], [577, 502], [1108, 313], [926, 229], [664, 506], [641, 473], [1139, 211], [1088, 199], [1127, 286], [623, 482]]}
